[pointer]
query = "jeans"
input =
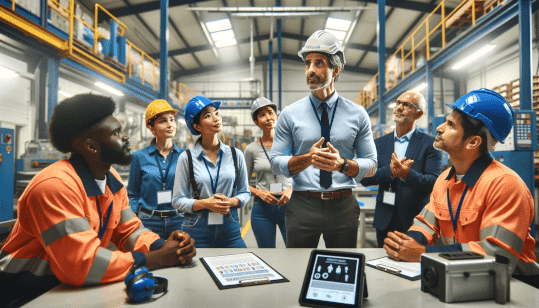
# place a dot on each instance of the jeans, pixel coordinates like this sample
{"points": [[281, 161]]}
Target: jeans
{"points": [[162, 226], [264, 220], [227, 235]]}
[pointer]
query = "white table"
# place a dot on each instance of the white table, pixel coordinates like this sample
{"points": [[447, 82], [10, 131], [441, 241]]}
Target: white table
{"points": [[193, 287]]}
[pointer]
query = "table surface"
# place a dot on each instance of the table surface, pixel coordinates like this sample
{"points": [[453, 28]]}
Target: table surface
{"points": [[193, 287]]}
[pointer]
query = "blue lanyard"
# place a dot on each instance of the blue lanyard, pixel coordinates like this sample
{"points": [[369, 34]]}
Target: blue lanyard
{"points": [[326, 134], [103, 227], [214, 187], [164, 178], [264, 149], [455, 219]]}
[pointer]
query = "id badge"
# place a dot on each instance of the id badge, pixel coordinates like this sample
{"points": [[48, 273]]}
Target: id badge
{"points": [[164, 197], [215, 218], [389, 197], [276, 188]]}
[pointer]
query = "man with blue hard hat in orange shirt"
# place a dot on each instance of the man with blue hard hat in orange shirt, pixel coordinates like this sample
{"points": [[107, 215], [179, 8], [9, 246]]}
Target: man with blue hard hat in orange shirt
{"points": [[479, 204]]}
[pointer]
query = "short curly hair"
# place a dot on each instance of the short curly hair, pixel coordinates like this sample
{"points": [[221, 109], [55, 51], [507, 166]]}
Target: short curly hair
{"points": [[76, 114]]}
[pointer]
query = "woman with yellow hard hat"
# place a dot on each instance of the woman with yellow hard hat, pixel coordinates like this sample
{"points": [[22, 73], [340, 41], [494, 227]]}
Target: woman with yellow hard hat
{"points": [[152, 173]]}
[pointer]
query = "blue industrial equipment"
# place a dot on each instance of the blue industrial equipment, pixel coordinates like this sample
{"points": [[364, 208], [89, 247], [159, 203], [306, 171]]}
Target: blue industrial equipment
{"points": [[522, 139], [7, 167], [38, 155]]}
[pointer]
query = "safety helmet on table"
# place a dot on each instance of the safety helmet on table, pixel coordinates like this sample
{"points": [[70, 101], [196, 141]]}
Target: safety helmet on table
{"points": [[322, 41], [488, 107], [194, 107], [157, 107], [259, 103]]}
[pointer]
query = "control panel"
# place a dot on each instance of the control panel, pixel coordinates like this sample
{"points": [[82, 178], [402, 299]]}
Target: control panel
{"points": [[525, 130]]}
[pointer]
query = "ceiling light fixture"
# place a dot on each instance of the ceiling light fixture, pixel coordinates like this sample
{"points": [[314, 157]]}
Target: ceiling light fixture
{"points": [[277, 11], [474, 56], [109, 88], [6, 73]]}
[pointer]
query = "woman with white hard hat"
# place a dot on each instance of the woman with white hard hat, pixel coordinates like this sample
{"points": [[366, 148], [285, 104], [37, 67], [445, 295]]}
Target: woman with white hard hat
{"points": [[152, 173], [271, 192], [211, 181]]}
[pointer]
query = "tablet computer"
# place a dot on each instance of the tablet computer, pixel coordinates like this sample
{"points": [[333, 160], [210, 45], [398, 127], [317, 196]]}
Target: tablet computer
{"points": [[334, 279]]}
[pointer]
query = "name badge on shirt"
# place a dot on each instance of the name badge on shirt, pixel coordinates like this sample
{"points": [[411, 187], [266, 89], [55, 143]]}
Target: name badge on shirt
{"points": [[164, 197], [276, 188], [215, 218], [389, 197]]}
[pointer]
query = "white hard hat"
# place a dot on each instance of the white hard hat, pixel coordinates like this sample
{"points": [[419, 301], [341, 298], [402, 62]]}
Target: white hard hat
{"points": [[322, 41], [259, 103]]}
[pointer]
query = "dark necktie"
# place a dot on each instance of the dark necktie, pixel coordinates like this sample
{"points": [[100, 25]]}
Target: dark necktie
{"points": [[325, 176]]}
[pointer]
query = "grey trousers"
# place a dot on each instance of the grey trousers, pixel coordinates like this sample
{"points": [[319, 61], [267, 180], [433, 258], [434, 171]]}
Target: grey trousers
{"points": [[308, 217]]}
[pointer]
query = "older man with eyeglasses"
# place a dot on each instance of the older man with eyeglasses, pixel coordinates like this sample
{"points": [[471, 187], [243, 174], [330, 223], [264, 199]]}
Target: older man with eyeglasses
{"points": [[408, 166]]}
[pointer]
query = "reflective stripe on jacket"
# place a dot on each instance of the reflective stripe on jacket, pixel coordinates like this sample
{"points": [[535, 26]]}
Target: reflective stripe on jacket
{"points": [[57, 231], [495, 216]]}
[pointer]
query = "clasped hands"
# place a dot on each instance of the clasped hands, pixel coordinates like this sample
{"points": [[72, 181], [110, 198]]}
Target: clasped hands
{"points": [[270, 198], [327, 159], [221, 204], [402, 247], [400, 168]]}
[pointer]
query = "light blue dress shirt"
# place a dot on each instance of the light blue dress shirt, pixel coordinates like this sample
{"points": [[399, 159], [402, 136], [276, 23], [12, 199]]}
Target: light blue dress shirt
{"points": [[298, 129], [182, 193], [401, 147]]}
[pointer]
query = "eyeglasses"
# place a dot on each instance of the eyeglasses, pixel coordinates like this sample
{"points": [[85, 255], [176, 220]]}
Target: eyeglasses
{"points": [[405, 105]]}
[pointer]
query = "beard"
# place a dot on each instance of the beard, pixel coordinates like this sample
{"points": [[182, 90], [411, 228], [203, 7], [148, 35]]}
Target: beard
{"points": [[319, 84], [120, 156]]}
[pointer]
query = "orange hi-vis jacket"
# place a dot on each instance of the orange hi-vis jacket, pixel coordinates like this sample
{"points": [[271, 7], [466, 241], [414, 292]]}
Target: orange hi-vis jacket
{"points": [[495, 217], [57, 231]]}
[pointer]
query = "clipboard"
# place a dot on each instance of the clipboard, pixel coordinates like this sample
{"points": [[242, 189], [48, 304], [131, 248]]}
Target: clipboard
{"points": [[240, 270], [407, 270]]}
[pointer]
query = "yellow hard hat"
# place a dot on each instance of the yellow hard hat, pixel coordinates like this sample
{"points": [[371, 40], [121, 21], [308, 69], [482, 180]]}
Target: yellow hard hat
{"points": [[156, 107]]}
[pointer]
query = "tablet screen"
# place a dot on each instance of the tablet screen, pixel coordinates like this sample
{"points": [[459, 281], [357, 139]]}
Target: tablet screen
{"points": [[333, 279]]}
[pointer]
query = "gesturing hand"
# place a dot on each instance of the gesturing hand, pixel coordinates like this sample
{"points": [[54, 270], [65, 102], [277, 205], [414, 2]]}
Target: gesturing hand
{"points": [[400, 168]]}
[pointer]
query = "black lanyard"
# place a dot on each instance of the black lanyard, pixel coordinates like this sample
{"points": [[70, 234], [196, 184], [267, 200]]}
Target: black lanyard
{"points": [[214, 186], [326, 134], [164, 178], [455, 219], [103, 227]]}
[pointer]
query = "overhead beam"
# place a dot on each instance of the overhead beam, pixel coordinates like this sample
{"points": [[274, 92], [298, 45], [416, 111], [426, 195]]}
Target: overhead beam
{"points": [[258, 38], [262, 59], [412, 5], [147, 7], [154, 5]]}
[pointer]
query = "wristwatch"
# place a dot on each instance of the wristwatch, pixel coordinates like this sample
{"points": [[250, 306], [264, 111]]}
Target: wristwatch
{"points": [[345, 166]]}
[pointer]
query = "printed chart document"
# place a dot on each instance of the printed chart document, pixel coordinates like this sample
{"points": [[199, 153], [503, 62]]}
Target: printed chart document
{"points": [[408, 270], [240, 270]]}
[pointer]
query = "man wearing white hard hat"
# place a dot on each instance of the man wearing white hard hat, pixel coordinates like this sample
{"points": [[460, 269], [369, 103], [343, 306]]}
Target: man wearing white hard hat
{"points": [[316, 142]]}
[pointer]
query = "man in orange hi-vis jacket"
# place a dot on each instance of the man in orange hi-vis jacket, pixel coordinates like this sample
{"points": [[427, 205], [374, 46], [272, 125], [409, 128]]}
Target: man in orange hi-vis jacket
{"points": [[479, 204], [72, 209]]}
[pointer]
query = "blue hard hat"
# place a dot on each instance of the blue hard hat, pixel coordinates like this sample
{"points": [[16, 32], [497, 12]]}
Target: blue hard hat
{"points": [[488, 107], [194, 107]]}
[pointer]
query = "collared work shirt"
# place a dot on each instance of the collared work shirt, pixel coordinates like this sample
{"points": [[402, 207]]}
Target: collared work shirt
{"points": [[182, 193], [495, 217], [298, 130], [145, 178], [401, 147], [56, 233]]}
